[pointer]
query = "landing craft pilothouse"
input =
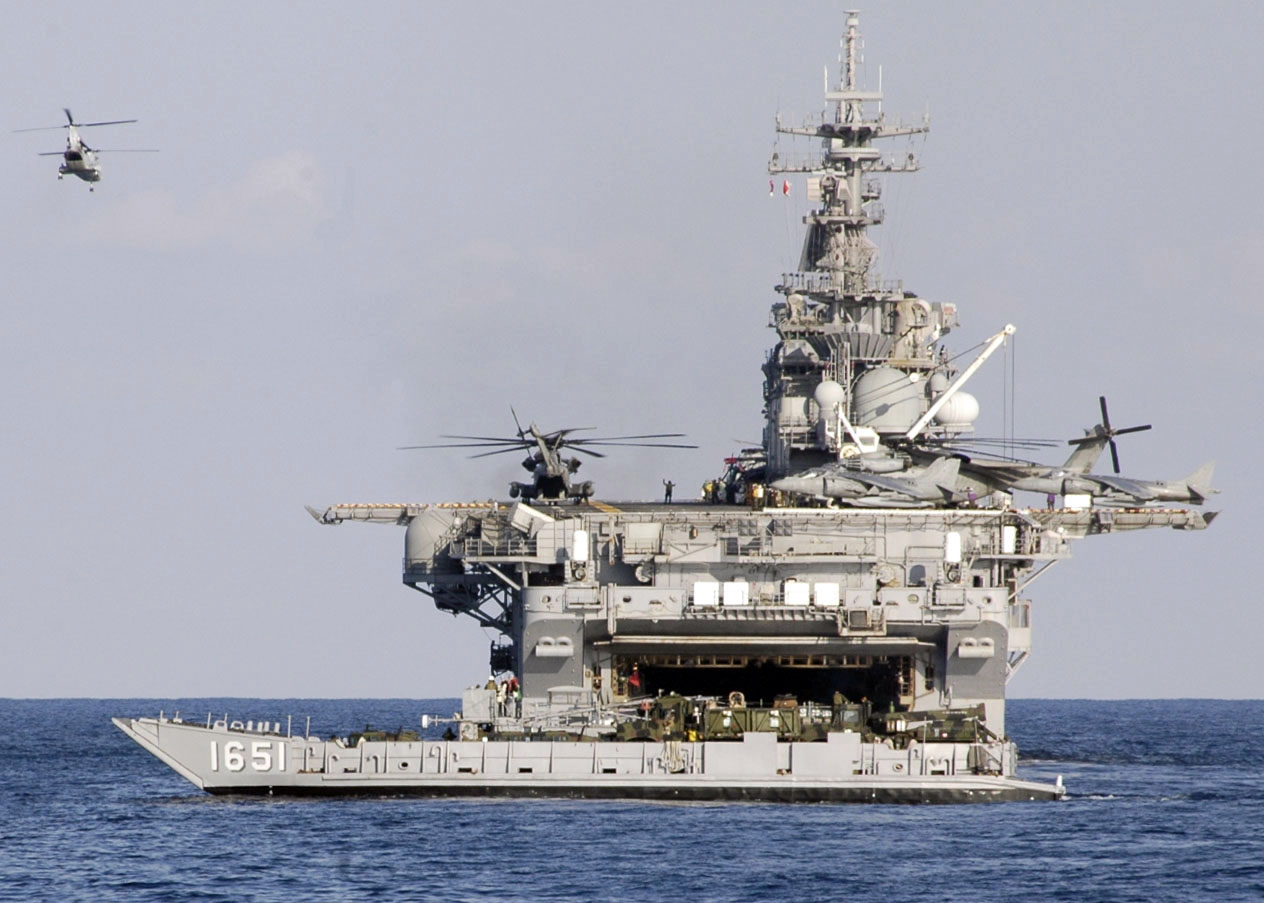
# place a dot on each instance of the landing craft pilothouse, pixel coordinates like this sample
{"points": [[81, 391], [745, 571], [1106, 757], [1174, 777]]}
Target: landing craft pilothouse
{"points": [[835, 619], [78, 159]]}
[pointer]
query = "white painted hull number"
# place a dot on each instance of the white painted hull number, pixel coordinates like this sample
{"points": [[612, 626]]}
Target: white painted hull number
{"points": [[261, 756]]}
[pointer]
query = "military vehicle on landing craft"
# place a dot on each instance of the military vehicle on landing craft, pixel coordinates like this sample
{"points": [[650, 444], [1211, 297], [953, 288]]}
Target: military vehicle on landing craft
{"points": [[836, 619]]}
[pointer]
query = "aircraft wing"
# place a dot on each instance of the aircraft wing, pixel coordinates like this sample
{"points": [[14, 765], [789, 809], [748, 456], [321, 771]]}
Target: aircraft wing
{"points": [[1135, 488], [878, 481], [872, 501], [1003, 471]]}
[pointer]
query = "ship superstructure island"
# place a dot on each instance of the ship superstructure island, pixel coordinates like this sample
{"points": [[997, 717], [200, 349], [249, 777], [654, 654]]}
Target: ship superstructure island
{"points": [[835, 619]]}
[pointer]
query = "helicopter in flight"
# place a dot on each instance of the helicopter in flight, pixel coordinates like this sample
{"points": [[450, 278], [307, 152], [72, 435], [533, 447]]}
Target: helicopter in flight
{"points": [[78, 159], [552, 473]]}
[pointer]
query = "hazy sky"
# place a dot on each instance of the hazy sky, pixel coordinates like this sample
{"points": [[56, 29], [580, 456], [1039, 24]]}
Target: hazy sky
{"points": [[373, 223]]}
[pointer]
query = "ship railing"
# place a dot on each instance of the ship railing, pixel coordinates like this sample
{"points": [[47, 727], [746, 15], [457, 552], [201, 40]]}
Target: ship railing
{"points": [[776, 603], [249, 726], [825, 282], [595, 715], [505, 546]]}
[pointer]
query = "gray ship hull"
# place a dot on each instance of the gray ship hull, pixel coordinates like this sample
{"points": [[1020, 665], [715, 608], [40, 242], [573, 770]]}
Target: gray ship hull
{"points": [[757, 768]]}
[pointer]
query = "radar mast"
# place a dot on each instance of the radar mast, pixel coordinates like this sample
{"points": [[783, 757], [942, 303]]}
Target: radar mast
{"points": [[853, 349]]}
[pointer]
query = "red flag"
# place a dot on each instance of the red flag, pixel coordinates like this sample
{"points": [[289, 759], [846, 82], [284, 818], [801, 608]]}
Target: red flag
{"points": [[785, 187]]}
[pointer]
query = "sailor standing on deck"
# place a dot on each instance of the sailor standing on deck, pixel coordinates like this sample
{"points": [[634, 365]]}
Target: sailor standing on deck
{"points": [[668, 486], [514, 692]]}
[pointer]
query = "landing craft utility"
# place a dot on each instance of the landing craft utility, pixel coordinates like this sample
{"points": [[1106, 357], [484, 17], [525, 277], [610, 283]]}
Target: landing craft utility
{"points": [[835, 620]]}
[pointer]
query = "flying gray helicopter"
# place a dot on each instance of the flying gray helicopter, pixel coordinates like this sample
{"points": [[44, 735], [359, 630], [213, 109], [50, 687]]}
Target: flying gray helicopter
{"points": [[551, 473], [78, 159]]}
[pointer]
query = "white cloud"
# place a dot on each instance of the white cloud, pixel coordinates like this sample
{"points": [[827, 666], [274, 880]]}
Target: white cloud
{"points": [[278, 203]]}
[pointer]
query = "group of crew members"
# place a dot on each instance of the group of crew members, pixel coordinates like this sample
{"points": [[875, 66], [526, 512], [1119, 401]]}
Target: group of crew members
{"points": [[757, 495], [508, 695]]}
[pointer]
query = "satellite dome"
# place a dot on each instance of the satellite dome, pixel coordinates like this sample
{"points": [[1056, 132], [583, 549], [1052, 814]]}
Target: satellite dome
{"points": [[960, 411], [888, 400], [828, 394]]}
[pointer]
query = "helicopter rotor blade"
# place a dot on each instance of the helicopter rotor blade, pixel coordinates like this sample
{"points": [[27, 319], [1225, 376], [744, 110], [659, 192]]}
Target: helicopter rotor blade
{"points": [[517, 425], [646, 436], [568, 430], [1105, 431], [69, 122], [634, 445], [126, 150], [587, 451], [484, 438], [508, 445], [499, 451]]}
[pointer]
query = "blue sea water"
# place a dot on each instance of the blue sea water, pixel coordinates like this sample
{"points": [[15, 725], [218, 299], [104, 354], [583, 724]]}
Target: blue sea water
{"points": [[1167, 804]]}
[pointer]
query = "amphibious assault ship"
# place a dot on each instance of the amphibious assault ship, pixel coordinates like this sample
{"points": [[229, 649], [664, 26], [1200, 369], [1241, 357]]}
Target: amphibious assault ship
{"points": [[834, 620]]}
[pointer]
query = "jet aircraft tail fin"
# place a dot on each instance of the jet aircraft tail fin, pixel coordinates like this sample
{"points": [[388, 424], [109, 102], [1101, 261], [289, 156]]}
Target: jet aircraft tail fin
{"points": [[1199, 482], [941, 475]]}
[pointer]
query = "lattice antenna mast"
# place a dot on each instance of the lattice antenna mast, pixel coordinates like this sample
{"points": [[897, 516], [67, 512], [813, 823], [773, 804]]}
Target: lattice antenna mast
{"points": [[836, 245], [847, 61]]}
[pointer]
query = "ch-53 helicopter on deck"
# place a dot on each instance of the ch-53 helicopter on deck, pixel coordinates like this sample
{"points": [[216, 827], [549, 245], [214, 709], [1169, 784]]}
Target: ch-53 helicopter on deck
{"points": [[551, 473], [78, 159]]}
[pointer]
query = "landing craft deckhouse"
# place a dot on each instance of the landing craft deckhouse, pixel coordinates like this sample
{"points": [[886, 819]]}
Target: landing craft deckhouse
{"points": [[836, 619]]}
